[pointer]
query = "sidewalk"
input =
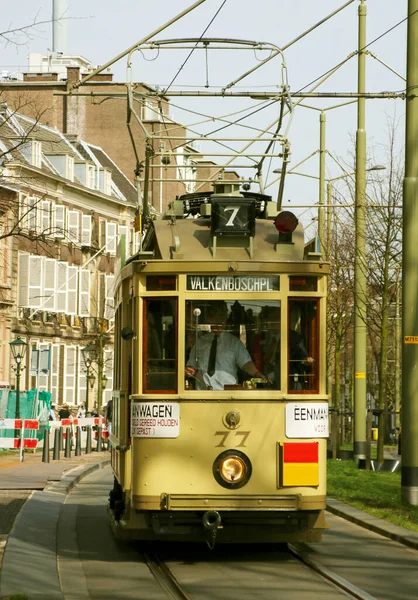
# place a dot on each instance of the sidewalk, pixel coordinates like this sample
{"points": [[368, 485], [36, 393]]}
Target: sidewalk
{"points": [[22, 481]]}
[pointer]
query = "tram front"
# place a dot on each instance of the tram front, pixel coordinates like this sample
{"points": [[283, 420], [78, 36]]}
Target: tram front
{"points": [[226, 438]]}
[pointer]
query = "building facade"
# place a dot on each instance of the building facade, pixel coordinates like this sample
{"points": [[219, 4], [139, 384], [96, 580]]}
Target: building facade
{"points": [[64, 205]]}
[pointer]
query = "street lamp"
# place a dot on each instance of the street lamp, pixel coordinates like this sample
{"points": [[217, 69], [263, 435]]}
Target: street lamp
{"points": [[89, 355], [18, 349], [104, 381]]}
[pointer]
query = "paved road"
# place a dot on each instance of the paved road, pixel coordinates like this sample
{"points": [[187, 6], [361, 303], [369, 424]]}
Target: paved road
{"points": [[63, 545]]}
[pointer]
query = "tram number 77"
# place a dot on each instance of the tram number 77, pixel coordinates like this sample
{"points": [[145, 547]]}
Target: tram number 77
{"points": [[225, 434]]}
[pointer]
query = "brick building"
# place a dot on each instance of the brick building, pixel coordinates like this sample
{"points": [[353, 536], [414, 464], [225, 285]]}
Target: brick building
{"points": [[101, 119]]}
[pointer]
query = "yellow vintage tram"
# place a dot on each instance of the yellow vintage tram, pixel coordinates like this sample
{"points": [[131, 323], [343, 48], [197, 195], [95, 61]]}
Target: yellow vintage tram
{"points": [[220, 413]]}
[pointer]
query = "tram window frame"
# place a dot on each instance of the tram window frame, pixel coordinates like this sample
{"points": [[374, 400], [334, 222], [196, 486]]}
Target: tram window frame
{"points": [[153, 333], [307, 380], [252, 329]]}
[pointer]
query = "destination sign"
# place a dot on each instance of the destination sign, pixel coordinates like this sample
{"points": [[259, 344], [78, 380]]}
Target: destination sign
{"points": [[233, 283], [307, 420]]}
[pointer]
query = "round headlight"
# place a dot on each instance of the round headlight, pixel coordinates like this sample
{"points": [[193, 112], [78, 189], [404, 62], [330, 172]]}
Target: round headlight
{"points": [[232, 469]]}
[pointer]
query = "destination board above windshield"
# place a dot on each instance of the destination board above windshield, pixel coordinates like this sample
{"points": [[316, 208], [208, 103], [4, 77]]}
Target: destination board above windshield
{"points": [[233, 283]]}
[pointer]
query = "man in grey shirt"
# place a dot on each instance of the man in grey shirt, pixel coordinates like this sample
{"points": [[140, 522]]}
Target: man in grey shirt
{"points": [[218, 355]]}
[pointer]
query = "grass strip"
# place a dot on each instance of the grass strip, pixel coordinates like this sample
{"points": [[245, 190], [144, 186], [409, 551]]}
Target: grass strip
{"points": [[377, 493]]}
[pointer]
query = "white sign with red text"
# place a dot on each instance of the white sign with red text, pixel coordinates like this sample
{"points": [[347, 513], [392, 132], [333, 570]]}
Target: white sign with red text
{"points": [[155, 419], [307, 420]]}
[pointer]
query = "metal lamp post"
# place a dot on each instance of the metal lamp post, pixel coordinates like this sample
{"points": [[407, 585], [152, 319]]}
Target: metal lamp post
{"points": [[18, 349], [89, 355]]}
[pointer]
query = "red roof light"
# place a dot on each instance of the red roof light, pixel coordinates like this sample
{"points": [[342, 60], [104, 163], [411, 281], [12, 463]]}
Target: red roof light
{"points": [[286, 222]]}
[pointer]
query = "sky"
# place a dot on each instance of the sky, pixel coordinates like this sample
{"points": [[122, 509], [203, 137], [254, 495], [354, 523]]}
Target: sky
{"points": [[101, 29]]}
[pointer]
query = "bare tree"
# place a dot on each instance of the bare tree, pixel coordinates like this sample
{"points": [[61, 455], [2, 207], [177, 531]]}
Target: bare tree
{"points": [[22, 35], [340, 305], [383, 273]]}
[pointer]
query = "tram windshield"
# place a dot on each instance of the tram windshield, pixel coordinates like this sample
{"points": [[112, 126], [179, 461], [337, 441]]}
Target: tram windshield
{"points": [[233, 345], [229, 343]]}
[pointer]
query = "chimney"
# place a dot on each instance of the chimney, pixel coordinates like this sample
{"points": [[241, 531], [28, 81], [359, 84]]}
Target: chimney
{"points": [[73, 75], [59, 26]]}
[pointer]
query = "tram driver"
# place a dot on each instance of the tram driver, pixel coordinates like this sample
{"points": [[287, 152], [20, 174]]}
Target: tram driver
{"points": [[217, 355]]}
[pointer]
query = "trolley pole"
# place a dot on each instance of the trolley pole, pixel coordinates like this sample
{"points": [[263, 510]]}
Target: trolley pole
{"points": [[360, 332], [409, 474]]}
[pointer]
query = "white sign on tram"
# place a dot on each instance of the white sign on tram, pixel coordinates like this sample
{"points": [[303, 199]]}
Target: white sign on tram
{"points": [[155, 419], [307, 420]]}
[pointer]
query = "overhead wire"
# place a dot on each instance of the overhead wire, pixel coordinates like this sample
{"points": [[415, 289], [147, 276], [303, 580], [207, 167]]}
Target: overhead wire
{"points": [[193, 49], [361, 49]]}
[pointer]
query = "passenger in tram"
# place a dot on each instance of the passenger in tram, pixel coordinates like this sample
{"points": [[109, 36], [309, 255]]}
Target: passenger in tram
{"points": [[299, 358], [300, 361], [218, 355]]}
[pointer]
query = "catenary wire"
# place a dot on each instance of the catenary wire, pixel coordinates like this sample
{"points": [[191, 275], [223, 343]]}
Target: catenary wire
{"points": [[192, 50]]}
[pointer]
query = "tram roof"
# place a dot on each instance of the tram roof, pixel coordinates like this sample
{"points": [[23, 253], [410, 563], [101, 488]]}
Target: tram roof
{"points": [[195, 242]]}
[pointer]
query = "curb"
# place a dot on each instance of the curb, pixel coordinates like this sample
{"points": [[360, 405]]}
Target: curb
{"points": [[42, 509], [375, 524], [74, 476]]}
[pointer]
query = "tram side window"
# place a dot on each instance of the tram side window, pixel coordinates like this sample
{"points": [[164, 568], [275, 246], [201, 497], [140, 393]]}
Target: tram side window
{"points": [[229, 342], [303, 348], [160, 345]]}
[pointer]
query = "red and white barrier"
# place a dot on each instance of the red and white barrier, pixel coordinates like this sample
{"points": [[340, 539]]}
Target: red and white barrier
{"points": [[82, 422], [22, 425]]}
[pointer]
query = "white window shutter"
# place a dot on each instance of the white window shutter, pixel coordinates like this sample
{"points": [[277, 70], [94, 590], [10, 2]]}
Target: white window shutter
{"points": [[61, 278], [55, 361], [32, 213], [35, 281], [109, 308], [107, 183], [70, 374], [74, 226], [124, 230], [23, 278], [91, 177], [45, 217], [72, 289], [111, 237], [84, 293], [86, 230], [58, 221], [50, 269], [108, 370], [131, 241], [43, 380], [82, 376], [137, 242], [22, 210], [70, 167]]}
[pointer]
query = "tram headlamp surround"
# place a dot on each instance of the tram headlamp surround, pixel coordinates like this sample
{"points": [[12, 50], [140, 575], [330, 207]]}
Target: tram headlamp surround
{"points": [[232, 469]]}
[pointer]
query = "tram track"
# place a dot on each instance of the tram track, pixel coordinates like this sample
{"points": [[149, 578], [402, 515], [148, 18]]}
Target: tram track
{"points": [[164, 576], [172, 585], [339, 582]]}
